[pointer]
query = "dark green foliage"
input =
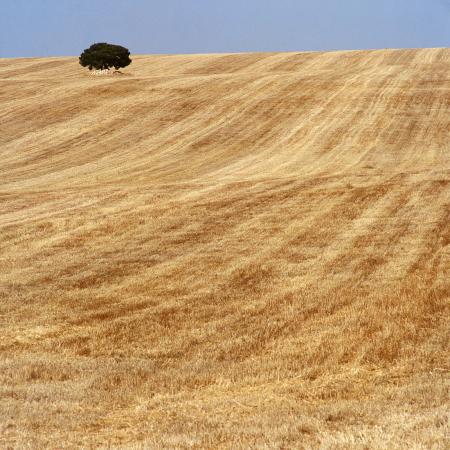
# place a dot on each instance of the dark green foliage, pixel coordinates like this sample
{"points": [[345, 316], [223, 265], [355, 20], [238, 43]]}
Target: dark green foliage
{"points": [[104, 56]]}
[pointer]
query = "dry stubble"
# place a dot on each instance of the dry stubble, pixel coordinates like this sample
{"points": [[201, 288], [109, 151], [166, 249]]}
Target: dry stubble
{"points": [[226, 251]]}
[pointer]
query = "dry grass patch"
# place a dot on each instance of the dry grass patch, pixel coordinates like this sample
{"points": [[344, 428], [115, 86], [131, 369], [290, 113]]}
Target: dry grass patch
{"points": [[226, 251]]}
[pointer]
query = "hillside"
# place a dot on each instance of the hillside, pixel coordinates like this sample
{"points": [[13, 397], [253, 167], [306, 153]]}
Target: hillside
{"points": [[226, 251]]}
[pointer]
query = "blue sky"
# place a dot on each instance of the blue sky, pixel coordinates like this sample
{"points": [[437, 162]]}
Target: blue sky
{"points": [[66, 27]]}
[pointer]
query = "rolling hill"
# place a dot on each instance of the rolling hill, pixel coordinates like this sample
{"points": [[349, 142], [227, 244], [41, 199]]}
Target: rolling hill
{"points": [[226, 251]]}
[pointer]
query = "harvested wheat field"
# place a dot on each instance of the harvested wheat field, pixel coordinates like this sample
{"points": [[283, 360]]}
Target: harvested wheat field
{"points": [[226, 251]]}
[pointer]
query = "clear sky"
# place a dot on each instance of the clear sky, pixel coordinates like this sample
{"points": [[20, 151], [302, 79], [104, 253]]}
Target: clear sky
{"points": [[66, 27]]}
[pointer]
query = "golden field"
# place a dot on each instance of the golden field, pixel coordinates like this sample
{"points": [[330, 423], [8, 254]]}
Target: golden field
{"points": [[226, 251]]}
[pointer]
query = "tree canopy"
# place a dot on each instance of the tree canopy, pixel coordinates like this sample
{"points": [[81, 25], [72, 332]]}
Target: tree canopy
{"points": [[103, 56]]}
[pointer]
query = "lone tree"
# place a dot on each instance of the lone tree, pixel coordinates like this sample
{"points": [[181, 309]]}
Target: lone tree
{"points": [[103, 56]]}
